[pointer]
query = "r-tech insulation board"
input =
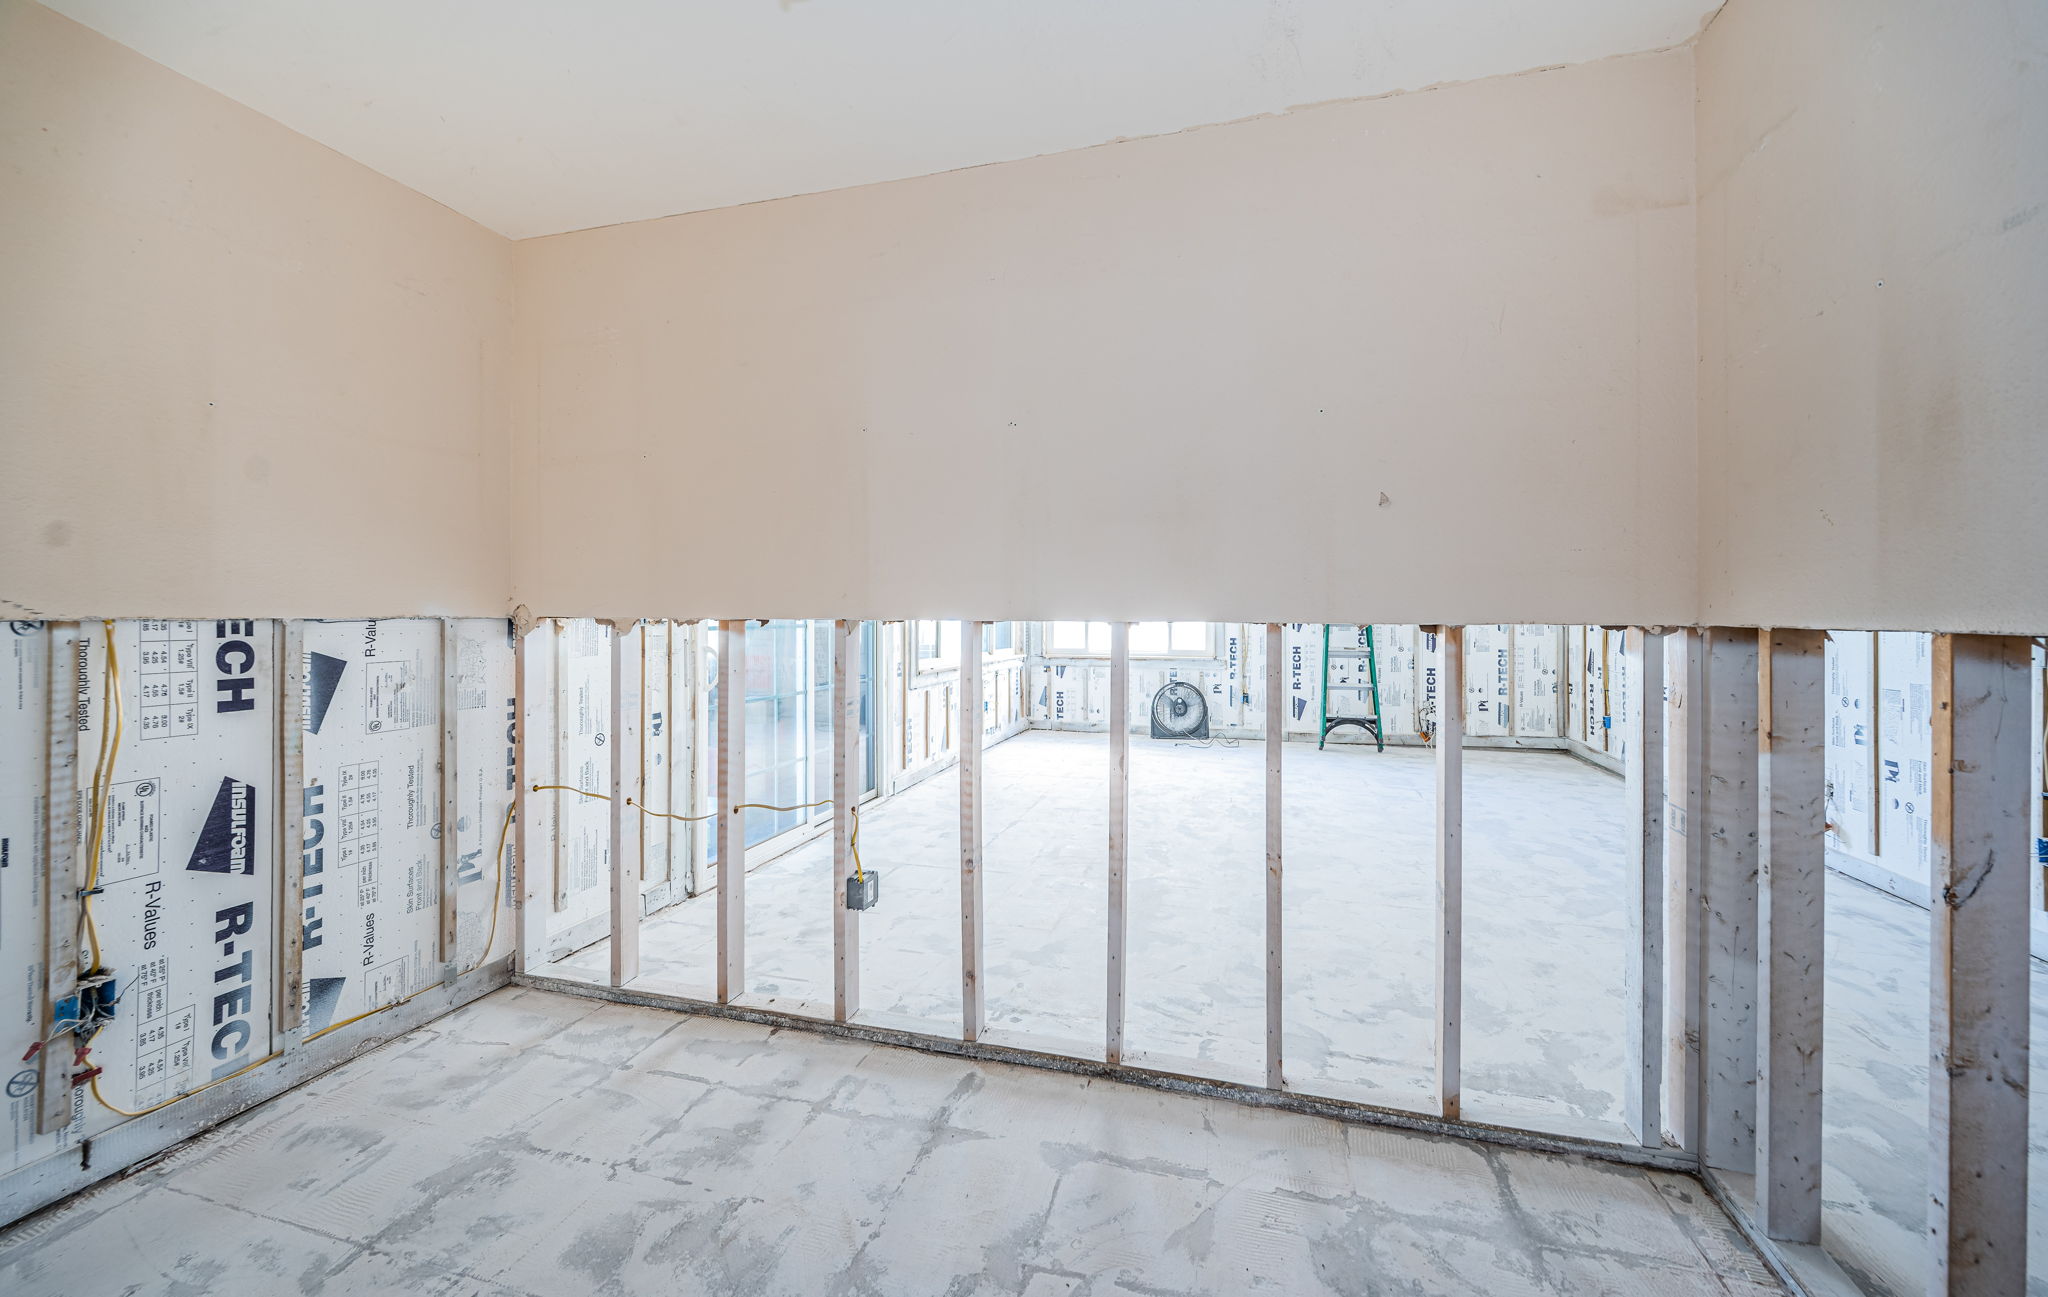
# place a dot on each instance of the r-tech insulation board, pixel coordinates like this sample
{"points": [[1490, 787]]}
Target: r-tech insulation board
{"points": [[372, 809], [185, 909], [190, 823]]}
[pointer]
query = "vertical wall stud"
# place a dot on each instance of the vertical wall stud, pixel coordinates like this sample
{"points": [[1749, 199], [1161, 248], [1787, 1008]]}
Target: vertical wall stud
{"points": [[557, 683], [732, 821], [532, 917], [1683, 743], [1728, 840], [1644, 976], [972, 1013], [1119, 801], [1977, 1207], [1450, 868], [624, 806], [682, 734], [1276, 735], [845, 792], [451, 857], [703, 757], [67, 663], [646, 745], [291, 831], [1791, 849]]}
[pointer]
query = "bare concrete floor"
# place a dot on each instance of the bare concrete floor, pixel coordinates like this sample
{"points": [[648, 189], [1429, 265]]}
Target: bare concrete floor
{"points": [[1545, 920], [543, 1144]]}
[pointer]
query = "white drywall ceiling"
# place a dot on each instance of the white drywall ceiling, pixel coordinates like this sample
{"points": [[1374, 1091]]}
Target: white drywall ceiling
{"points": [[539, 116]]}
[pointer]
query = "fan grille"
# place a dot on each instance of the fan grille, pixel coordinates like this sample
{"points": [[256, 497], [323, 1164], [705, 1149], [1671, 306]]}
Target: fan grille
{"points": [[1180, 712]]}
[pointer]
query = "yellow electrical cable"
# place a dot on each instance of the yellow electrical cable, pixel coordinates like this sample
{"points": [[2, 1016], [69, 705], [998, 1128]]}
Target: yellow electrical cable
{"points": [[144, 1112], [852, 838], [102, 785], [497, 874], [110, 742], [103, 781], [498, 859]]}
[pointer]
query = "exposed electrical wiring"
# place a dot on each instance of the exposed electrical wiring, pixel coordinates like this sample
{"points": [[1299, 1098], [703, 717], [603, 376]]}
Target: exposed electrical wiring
{"points": [[103, 778], [852, 839], [102, 785], [94, 1083], [111, 734], [490, 938]]}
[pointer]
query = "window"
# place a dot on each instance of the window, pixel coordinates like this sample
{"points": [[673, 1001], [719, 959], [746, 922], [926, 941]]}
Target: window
{"points": [[1151, 639], [938, 645]]}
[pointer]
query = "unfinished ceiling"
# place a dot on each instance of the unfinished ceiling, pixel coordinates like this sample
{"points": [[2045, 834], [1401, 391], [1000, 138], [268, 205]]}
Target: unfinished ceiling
{"points": [[535, 116]]}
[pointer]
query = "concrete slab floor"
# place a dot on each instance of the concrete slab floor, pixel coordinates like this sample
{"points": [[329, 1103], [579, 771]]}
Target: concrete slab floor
{"points": [[543, 1144], [1545, 896]]}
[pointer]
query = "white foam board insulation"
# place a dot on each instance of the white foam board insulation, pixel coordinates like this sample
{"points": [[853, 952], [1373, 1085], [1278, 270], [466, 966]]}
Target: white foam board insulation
{"points": [[1880, 749], [569, 676], [372, 802], [190, 856], [1515, 677]]}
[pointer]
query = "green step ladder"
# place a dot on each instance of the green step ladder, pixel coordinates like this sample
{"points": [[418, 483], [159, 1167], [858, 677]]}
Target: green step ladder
{"points": [[1370, 690]]}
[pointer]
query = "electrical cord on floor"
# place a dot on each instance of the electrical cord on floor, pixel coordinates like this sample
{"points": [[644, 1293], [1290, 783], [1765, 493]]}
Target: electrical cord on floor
{"points": [[852, 838]]}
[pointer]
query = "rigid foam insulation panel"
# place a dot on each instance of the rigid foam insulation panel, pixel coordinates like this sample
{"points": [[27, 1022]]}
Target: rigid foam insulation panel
{"points": [[1595, 680], [486, 780], [569, 675], [569, 840], [188, 915], [1851, 756], [372, 813], [1879, 764], [1905, 755], [1539, 664], [673, 703], [667, 747], [2039, 795], [927, 736], [582, 844], [187, 855], [1515, 676], [1578, 684], [1619, 693], [1879, 757]]}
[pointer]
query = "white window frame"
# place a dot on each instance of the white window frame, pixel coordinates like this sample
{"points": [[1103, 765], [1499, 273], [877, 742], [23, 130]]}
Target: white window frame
{"points": [[1017, 643], [942, 664], [923, 665], [1208, 651]]}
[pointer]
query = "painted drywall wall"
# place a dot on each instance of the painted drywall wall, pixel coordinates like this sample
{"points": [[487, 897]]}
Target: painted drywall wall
{"points": [[239, 373], [1259, 362], [1873, 273]]}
